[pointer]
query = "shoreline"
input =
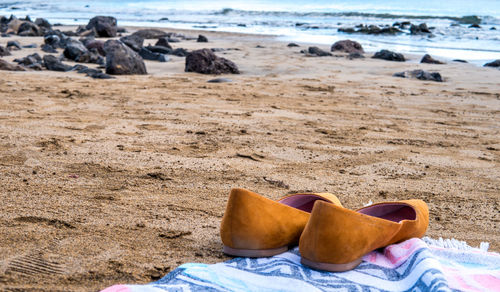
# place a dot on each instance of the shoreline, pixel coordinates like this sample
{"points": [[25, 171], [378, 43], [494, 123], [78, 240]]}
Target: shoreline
{"points": [[122, 180]]}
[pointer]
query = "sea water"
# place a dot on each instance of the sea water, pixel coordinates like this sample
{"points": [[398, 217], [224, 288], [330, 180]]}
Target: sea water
{"points": [[301, 21]]}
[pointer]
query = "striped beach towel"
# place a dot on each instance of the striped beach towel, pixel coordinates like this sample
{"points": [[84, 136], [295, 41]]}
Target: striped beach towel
{"points": [[412, 265]]}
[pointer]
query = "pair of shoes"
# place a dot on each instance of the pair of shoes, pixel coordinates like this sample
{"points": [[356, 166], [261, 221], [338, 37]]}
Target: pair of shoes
{"points": [[330, 237], [254, 226]]}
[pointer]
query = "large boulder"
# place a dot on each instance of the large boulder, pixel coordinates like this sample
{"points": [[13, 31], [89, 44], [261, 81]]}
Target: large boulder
{"points": [[347, 46], [104, 26], [4, 51], [389, 56], [204, 61], [6, 66], [135, 42], [121, 60], [420, 75], [74, 49], [150, 33], [495, 64], [430, 60], [54, 64]]}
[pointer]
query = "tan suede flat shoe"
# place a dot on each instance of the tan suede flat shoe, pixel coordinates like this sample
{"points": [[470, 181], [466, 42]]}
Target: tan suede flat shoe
{"points": [[254, 226], [335, 239]]}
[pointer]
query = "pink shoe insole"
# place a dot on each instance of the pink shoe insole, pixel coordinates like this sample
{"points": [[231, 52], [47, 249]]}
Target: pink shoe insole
{"points": [[302, 202], [393, 212]]}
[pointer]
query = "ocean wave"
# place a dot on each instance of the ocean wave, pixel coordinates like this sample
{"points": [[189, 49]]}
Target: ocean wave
{"points": [[467, 19]]}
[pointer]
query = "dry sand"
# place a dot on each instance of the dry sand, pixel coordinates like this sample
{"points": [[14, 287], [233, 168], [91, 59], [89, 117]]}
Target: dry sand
{"points": [[120, 181]]}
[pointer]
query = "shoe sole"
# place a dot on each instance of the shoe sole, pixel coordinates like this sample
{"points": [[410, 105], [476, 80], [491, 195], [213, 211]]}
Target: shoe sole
{"points": [[331, 267], [254, 253]]}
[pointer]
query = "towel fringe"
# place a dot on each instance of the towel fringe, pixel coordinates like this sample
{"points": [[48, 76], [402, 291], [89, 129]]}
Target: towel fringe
{"points": [[456, 244]]}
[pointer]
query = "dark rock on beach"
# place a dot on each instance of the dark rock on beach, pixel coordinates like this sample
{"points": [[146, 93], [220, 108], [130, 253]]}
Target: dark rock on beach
{"points": [[99, 75], [53, 40], [206, 62], [219, 80], [430, 60], [315, 51], [421, 75], [96, 45], [13, 44], [94, 73], [460, 61], [347, 46], [389, 56], [30, 46], [150, 33], [121, 60], [29, 29], [356, 55], [48, 49], [74, 49], [202, 39], [104, 26], [474, 25], [291, 45], [180, 52], [84, 32], [6, 66], [163, 42], [54, 64], [495, 64], [4, 51], [33, 61], [43, 23], [135, 42], [152, 56], [173, 40], [160, 49]]}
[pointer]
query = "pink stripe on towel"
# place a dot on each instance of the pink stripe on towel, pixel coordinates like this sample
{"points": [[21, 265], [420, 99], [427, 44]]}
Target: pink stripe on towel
{"points": [[117, 288], [396, 254]]}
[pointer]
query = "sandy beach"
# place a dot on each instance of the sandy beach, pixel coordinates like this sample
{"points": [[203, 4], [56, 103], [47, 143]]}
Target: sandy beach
{"points": [[122, 180]]}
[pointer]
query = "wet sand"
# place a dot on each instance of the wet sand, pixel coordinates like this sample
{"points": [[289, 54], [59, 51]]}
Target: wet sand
{"points": [[122, 180]]}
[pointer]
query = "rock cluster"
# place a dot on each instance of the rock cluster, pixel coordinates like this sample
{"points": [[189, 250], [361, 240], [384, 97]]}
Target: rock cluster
{"points": [[395, 28]]}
